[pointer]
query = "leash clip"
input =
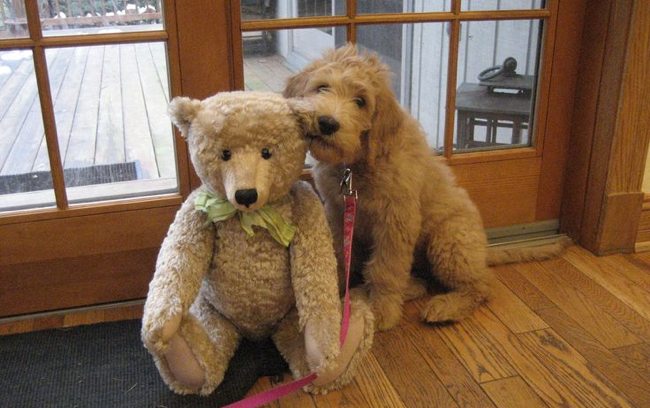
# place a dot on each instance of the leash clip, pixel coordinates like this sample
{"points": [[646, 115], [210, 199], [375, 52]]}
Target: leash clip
{"points": [[346, 183]]}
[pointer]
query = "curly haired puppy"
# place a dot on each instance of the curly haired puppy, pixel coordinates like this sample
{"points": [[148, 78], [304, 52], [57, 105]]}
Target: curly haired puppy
{"points": [[412, 214]]}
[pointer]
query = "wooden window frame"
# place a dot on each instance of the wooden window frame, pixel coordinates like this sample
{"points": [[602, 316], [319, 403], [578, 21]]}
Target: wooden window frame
{"points": [[558, 68], [37, 43]]}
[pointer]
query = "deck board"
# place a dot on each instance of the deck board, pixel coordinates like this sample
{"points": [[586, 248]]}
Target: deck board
{"points": [[136, 128], [156, 107], [110, 129], [13, 119], [110, 106], [25, 151], [81, 145]]}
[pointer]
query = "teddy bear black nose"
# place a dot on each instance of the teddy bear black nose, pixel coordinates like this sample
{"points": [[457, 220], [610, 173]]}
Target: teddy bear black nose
{"points": [[328, 125], [246, 197]]}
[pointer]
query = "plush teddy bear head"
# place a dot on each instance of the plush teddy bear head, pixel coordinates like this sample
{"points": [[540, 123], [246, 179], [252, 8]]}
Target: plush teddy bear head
{"points": [[247, 147]]}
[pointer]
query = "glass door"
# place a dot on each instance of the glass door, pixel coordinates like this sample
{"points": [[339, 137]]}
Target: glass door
{"points": [[90, 169], [91, 173], [478, 75]]}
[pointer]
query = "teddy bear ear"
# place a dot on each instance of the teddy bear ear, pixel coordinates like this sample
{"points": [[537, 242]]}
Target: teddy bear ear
{"points": [[305, 114], [182, 110]]}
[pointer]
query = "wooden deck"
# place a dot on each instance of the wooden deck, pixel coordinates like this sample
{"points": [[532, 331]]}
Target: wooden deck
{"points": [[110, 105]]}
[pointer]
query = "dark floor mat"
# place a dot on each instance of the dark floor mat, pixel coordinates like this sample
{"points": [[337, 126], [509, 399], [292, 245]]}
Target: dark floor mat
{"points": [[105, 365], [74, 177]]}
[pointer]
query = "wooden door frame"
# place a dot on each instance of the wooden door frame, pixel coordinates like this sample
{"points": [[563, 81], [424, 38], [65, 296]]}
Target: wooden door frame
{"points": [[603, 202], [96, 253]]}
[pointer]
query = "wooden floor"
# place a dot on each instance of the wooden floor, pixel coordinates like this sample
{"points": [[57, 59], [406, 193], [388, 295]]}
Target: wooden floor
{"points": [[568, 332]]}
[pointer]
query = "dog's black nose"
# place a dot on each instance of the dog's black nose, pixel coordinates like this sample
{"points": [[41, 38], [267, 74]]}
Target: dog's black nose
{"points": [[328, 125], [246, 197]]}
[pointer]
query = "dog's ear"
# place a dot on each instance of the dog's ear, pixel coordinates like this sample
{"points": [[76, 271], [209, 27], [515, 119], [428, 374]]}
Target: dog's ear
{"points": [[386, 121], [305, 114], [182, 110], [297, 84]]}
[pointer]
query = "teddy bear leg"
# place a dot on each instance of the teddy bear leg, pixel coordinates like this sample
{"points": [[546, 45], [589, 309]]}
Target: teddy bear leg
{"points": [[291, 343], [198, 354]]}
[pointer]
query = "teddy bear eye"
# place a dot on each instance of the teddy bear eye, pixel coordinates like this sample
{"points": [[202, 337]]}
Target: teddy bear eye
{"points": [[226, 155], [360, 101], [266, 153]]}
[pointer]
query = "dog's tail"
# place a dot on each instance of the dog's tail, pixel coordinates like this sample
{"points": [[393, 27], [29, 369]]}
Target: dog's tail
{"points": [[528, 251]]}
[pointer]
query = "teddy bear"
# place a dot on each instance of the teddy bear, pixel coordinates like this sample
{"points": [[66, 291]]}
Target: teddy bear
{"points": [[249, 253]]}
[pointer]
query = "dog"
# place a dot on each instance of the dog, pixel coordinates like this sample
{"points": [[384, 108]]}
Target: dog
{"points": [[412, 215]]}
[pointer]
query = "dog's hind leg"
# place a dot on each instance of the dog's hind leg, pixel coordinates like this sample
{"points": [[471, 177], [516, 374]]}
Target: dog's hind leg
{"points": [[457, 251]]}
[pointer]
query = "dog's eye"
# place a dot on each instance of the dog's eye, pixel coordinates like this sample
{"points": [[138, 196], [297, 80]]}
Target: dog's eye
{"points": [[226, 155], [322, 88], [360, 101], [266, 154]]}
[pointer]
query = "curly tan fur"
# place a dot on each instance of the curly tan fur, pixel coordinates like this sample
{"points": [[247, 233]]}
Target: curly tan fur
{"points": [[411, 210]]}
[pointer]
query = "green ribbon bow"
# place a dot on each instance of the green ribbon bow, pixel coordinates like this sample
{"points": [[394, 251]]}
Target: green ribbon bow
{"points": [[267, 217]]}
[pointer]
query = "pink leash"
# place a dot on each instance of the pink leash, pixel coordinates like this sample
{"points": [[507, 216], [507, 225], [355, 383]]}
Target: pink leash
{"points": [[350, 199]]}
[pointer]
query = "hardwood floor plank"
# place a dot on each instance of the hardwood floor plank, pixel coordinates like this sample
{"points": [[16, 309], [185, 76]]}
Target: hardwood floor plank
{"points": [[156, 106], [512, 392], [139, 145], [81, 145], [414, 380], [475, 347], [586, 386], [585, 310], [638, 358], [625, 315], [451, 372], [636, 387], [522, 287], [110, 125], [375, 386], [513, 312], [532, 361], [632, 268], [349, 396], [610, 277]]}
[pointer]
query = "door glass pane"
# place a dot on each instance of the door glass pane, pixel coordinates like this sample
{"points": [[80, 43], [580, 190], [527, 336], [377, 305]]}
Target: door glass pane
{"points": [[270, 57], [110, 105], [25, 180], [476, 5], [270, 9], [13, 23], [496, 84], [402, 6], [100, 17], [418, 57]]}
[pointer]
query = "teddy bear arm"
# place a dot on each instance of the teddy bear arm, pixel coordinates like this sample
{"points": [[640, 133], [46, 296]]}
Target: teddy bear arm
{"points": [[314, 275], [182, 263]]}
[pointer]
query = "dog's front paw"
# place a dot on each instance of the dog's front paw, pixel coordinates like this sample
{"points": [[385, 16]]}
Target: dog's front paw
{"points": [[387, 311]]}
